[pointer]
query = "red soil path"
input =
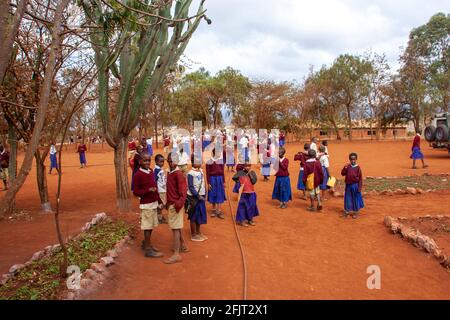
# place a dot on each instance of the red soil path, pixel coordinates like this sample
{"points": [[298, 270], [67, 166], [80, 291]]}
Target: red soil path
{"points": [[291, 253]]}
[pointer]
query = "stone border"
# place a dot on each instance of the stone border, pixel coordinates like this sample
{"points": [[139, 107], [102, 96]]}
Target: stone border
{"points": [[93, 278], [418, 239], [49, 250], [397, 192]]}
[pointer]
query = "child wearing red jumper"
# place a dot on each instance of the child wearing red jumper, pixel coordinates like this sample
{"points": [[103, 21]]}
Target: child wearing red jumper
{"points": [[146, 189], [176, 198], [313, 166], [353, 200]]}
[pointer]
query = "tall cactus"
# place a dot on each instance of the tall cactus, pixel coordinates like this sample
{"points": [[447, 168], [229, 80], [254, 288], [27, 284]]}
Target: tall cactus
{"points": [[136, 44]]}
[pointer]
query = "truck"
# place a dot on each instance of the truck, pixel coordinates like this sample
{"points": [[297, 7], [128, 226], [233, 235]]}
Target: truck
{"points": [[437, 133]]}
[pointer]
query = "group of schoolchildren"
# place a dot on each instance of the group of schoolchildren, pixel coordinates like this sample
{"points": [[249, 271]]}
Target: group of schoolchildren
{"points": [[183, 191], [314, 178]]}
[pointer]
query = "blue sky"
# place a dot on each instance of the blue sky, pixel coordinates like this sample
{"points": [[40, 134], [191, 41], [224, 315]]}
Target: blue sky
{"points": [[281, 39]]}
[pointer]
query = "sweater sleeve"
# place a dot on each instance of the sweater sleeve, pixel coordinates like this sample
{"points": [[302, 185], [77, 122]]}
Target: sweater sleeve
{"points": [[297, 157], [319, 172], [208, 168], [344, 171], [182, 189], [138, 191]]}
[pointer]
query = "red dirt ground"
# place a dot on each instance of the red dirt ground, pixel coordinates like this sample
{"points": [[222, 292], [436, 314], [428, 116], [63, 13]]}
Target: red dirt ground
{"points": [[291, 253]]}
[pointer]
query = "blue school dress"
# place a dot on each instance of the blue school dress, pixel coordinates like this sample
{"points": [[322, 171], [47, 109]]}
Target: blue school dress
{"points": [[53, 161], [247, 207], [150, 149], [282, 189], [353, 200], [323, 185], [82, 158], [300, 184], [217, 192], [416, 153]]}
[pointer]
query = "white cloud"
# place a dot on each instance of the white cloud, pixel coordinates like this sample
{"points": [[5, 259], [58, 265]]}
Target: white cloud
{"points": [[280, 39]]}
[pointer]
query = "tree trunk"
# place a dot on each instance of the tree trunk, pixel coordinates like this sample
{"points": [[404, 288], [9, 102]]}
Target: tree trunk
{"points": [[6, 204], [12, 142], [336, 130], [122, 186], [42, 182], [156, 132], [350, 128], [8, 32]]}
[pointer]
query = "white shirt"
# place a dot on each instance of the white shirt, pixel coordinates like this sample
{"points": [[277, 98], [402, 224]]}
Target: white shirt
{"points": [[199, 181], [313, 146], [149, 141], [243, 142], [52, 149], [324, 160], [185, 139]]}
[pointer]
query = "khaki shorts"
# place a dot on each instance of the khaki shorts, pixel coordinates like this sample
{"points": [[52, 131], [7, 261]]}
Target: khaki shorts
{"points": [[4, 174], [149, 219], [175, 218], [163, 197]]}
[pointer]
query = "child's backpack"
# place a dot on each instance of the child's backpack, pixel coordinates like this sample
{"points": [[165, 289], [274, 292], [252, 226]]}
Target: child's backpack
{"points": [[310, 181], [253, 177]]}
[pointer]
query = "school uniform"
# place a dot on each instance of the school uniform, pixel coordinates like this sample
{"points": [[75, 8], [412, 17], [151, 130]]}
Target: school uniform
{"points": [[282, 140], [243, 142], [265, 169], [215, 175], [53, 158], [247, 208], [325, 162], [282, 188], [237, 185], [149, 200], [416, 152], [313, 166], [166, 144], [196, 188], [4, 164], [176, 198], [82, 153], [302, 158], [353, 200]]}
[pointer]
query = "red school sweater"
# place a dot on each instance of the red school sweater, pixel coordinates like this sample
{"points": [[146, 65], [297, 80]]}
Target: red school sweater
{"points": [[143, 181], [176, 189], [315, 167]]}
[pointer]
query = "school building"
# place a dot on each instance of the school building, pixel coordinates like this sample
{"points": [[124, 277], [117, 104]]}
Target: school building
{"points": [[361, 130]]}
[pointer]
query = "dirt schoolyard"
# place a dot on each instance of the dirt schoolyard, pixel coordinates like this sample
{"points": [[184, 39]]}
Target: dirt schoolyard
{"points": [[291, 253]]}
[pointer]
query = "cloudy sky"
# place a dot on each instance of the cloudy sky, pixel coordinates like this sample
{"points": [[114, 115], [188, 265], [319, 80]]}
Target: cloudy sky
{"points": [[281, 39]]}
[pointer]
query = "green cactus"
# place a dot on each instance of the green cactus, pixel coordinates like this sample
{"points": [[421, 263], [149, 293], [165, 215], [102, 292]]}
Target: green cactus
{"points": [[139, 43]]}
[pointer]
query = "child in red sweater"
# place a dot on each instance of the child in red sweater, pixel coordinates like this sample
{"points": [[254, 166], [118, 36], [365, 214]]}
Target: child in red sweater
{"points": [[353, 200], [176, 198], [313, 167], [145, 188]]}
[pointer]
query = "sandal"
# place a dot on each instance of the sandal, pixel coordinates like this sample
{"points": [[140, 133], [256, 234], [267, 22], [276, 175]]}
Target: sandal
{"points": [[197, 238], [242, 224], [172, 260], [213, 214], [153, 254], [143, 247], [252, 223], [312, 209], [203, 236], [220, 215], [345, 214]]}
